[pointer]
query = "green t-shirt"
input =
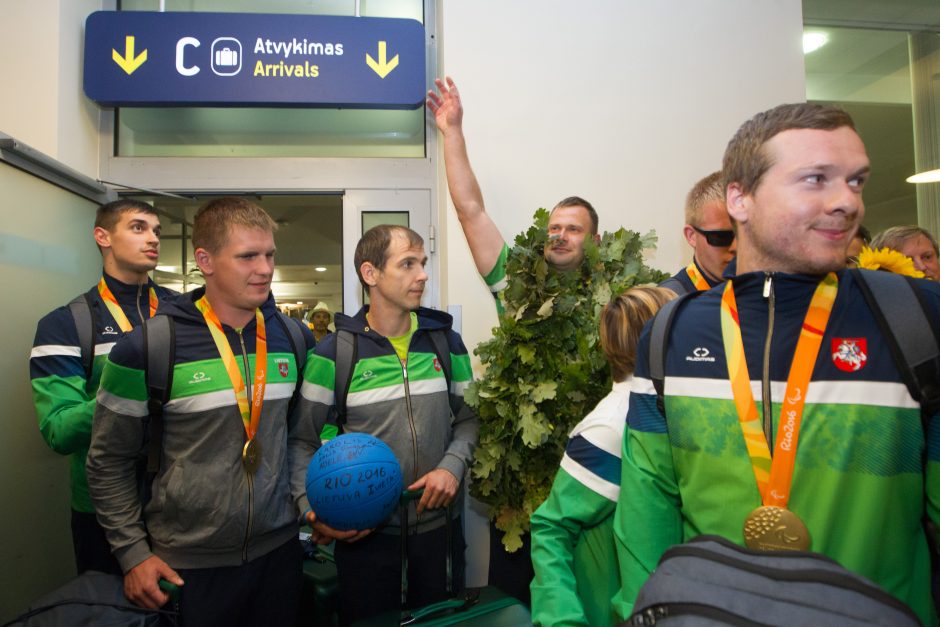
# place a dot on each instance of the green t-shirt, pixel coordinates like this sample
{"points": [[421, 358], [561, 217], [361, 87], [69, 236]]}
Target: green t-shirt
{"points": [[496, 279], [402, 342]]}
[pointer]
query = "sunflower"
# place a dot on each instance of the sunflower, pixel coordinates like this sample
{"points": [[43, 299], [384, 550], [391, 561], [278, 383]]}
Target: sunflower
{"points": [[889, 260]]}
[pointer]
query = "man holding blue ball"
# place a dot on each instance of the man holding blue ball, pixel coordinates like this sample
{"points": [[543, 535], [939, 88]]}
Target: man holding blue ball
{"points": [[398, 392]]}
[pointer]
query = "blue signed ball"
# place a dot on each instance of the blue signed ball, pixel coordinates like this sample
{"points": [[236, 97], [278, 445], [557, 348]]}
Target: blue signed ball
{"points": [[354, 482]]}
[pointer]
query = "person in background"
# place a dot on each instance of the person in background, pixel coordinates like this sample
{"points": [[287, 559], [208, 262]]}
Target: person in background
{"points": [[708, 231], [573, 552], [65, 381], [915, 242], [861, 239], [319, 322]]}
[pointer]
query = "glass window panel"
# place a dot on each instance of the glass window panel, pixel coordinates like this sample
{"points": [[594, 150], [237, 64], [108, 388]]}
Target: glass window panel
{"points": [[867, 73], [375, 218], [260, 132]]}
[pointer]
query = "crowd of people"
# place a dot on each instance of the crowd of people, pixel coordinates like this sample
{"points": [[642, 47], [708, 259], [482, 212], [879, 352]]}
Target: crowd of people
{"points": [[759, 412]]}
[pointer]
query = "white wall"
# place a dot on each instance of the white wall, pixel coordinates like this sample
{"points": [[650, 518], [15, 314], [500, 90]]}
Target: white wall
{"points": [[41, 74], [626, 104]]}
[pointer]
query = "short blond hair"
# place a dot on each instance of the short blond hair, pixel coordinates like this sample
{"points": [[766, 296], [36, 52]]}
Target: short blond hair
{"points": [[622, 319], [708, 190], [214, 220]]}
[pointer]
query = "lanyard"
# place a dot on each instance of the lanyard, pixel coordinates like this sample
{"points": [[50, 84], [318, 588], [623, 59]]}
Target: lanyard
{"points": [[774, 476], [116, 312], [251, 417], [697, 279]]}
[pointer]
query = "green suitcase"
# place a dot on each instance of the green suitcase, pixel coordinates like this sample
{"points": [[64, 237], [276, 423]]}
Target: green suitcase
{"points": [[319, 597]]}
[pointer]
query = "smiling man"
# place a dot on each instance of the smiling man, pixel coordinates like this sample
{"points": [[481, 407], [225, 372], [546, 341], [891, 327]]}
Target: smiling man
{"points": [[229, 493], [399, 392], [775, 337], [708, 231], [65, 371], [571, 221]]}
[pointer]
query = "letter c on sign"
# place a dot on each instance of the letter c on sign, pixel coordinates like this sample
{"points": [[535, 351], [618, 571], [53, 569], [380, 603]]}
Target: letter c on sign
{"points": [[180, 47]]}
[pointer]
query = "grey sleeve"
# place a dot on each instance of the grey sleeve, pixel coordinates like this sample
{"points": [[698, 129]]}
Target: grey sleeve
{"points": [[117, 442]]}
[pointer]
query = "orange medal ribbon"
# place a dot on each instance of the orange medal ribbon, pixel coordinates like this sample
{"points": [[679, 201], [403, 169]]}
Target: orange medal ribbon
{"points": [[251, 416], [697, 279], [116, 312], [774, 476]]}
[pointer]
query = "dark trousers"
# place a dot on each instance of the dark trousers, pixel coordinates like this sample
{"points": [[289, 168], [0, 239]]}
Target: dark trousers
{"points": [[369, 572], [265, 591], [92, 551], [511, 572]]}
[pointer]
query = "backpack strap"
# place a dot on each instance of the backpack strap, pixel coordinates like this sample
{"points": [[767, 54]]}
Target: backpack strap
{"points": [[659, 341], [81, 310], [295, 336], [910, 331], [347, 347], [159, 355]]}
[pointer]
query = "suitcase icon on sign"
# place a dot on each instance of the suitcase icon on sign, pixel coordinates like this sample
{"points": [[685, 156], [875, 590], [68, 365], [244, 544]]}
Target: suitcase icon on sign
{"points": [[226, 56]]}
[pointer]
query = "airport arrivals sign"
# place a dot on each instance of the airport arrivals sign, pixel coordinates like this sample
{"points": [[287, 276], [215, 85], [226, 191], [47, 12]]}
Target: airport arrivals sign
{"points": [[143, 58]]}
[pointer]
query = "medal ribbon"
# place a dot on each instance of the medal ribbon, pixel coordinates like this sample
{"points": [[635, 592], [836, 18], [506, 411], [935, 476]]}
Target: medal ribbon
{"points": [[116, 312], [251, 416], [697, 279], [774, 476]]}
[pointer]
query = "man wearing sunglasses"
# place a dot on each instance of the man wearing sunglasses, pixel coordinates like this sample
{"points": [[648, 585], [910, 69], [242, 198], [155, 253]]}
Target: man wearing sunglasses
{"points": [[708, 231]]}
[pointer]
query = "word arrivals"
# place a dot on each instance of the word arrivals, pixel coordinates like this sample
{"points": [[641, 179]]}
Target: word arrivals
{"points": [[281, 70]]}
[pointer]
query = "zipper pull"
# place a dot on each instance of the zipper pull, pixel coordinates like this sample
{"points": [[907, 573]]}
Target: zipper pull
{"points": [[768, 284]]}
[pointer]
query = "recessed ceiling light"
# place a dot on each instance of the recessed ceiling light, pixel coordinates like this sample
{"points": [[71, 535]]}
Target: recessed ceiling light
{"points": [[930, 176], [320, 269], [814, 41]]}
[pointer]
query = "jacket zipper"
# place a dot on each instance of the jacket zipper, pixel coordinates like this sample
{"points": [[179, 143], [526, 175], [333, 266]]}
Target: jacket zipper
{"points": [[411, 420], [766, 400], [140, 314], [251, 499]]}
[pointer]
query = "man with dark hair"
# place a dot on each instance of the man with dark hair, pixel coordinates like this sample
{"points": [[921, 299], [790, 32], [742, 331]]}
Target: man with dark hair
{"points": [[708, 231], [229, 493], [65, 372], [786, 422], [917, 243], [398, 392], [571, 220]]}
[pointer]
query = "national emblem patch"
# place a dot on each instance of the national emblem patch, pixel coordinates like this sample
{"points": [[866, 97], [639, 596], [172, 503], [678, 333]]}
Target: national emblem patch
{"points": [[849, 354]]}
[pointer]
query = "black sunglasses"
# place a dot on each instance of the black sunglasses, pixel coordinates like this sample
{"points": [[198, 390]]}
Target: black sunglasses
{"points": [[718, 239]]}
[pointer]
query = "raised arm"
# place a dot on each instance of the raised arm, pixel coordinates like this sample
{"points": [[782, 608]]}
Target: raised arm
{"points": [[484, 238]]}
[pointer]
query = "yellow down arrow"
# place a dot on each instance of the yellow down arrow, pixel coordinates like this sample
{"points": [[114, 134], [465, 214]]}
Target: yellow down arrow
{"points": [[129, 62], [382, 67]]}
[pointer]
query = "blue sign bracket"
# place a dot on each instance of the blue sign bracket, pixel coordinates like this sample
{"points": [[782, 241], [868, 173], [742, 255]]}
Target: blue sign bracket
{"points": [[143, 58]]}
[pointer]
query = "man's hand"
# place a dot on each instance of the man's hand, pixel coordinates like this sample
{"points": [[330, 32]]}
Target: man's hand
{"points": [[440, 489], [141, 583], [446, 107], [324, 534]]}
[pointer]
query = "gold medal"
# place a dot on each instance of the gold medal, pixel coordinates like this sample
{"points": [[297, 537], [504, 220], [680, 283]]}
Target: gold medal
{"points": [[251, 456], [772, 528]]}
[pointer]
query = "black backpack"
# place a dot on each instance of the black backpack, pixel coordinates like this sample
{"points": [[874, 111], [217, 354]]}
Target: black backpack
{"points": [[159, 356]]}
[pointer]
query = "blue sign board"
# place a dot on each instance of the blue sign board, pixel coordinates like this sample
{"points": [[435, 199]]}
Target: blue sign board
{"points": [[142, 58]]}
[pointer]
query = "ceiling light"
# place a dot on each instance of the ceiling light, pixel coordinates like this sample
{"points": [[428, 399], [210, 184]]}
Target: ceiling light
{"points": [[930, 176], [814, 41], [320, 269]]}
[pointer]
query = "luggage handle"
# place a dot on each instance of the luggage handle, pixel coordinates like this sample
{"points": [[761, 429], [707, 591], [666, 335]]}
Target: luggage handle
{"points": [[450, 606]]}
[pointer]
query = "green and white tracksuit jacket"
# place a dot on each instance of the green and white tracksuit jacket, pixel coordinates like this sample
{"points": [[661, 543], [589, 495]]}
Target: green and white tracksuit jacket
{"points": [[409, 407], [860, 483], [573, 552], [206, 511], [63, 393]]}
